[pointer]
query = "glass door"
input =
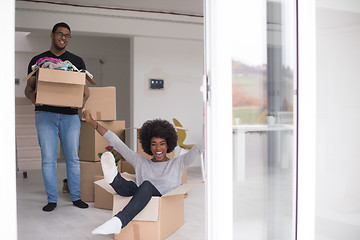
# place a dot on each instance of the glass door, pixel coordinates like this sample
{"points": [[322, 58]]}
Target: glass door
{"points": [[263, 55], [251, 119]]}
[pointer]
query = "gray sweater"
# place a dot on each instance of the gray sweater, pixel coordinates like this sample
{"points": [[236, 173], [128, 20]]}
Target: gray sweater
{"points": [[165, 176]]}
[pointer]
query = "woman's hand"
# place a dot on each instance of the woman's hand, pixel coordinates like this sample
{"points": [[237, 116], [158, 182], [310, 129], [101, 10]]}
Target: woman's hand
{"points": [[86, 114]]}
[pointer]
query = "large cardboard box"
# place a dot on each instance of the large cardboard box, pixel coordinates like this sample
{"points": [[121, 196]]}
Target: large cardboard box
{"points": [[159, 219], [102, 198], [91, 142], [60, 88], [88, 171], [102, 103], [169, 211]]}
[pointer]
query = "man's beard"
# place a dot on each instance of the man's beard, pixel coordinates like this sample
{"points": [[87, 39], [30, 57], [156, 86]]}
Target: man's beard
{"points": [[59, 48]]}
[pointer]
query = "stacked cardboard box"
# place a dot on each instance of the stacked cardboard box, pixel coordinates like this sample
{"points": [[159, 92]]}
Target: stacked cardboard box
{"points": [[102, 104], [92, 143], [88, 170]]}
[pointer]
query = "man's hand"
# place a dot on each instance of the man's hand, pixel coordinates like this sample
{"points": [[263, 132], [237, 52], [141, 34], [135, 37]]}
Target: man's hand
{"points": [[86, 94], [33, 97], [30, 91]]}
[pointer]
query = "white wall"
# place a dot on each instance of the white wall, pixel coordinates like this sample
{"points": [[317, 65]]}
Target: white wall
{"points": [[8, 225], [338, 117]]}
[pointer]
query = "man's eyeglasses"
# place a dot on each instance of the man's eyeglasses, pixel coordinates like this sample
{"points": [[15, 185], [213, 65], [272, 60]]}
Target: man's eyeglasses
{"points": [[60, 34]]}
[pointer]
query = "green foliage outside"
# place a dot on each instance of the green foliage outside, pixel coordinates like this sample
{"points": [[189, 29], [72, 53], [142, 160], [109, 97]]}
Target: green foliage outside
{"points": [[248, 115]]}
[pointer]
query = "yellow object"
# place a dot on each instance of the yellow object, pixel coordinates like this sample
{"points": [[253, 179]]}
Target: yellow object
{"points": [[181, 138], [181, 135]]}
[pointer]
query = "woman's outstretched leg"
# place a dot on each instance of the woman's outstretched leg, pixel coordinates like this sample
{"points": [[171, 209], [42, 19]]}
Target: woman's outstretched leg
{"points": [[112, 176], [137, 203], [112, 226], [110, 172], [120, 185], [108, 166]]}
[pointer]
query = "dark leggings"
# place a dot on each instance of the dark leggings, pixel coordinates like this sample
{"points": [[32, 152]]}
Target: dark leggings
{"points": [[141, 197]]}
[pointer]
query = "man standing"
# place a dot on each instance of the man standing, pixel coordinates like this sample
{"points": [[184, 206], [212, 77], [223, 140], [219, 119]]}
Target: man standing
{"points": [[53, 123]]}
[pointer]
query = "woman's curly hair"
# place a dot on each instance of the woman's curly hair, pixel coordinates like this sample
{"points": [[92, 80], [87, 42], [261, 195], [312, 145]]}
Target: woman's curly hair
{"points": [[158, 128]]}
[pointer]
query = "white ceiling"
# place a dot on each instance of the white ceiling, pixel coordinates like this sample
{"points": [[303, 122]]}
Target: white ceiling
{"points": [[187, 7]]}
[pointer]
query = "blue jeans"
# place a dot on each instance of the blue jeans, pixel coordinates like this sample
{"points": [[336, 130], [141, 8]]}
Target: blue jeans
{"points": [[51, 127], [141, 197]]}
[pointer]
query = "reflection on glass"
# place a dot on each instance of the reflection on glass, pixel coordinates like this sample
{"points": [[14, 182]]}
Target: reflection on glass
{"points": [[249, 93], [263, 67]]}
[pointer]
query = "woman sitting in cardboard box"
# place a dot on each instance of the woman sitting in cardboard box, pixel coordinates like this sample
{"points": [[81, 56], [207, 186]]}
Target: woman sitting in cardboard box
{"points": [[154, 177]]}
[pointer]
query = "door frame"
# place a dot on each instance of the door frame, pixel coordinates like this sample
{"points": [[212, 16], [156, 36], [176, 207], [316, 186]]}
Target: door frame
{"points": [[219, 186]]}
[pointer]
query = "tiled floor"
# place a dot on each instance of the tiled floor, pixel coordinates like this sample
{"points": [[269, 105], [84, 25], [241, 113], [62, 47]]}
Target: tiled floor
{"points": [[68, 222]]}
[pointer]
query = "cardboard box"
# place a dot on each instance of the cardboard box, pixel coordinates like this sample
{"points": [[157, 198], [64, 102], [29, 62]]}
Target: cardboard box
{"points": [[159, 219], [170, 218], [60, 88], [102, 103], [102, 198], [88, 170], [125, 166], [91, 142]]}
